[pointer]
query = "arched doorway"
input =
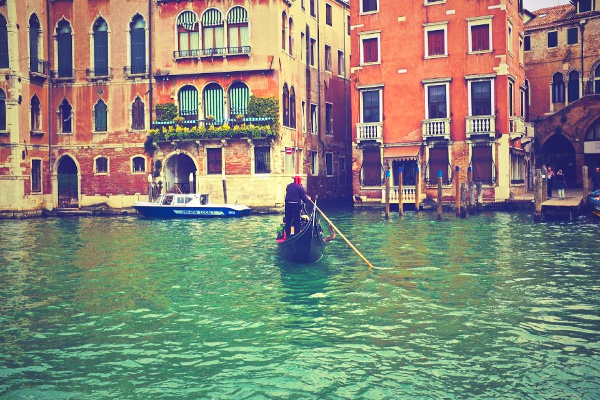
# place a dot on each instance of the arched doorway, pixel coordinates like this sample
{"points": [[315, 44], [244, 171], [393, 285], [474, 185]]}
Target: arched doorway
{"points": [[68, 186], [591, 145], [177, 174], [558, 153]]}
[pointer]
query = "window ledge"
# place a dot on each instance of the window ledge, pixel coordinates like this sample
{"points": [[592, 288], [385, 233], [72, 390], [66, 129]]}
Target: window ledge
{"points": [[481, 52], [370, 63], [138, 173], [99, 132], [434, 3], [4, 133], [37, 133], [101, 173], [368, 12], [38, 75], [436, 56], [64, 133]]}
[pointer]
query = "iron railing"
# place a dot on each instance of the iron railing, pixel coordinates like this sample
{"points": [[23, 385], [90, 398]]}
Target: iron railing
{"points": [[231, 122], [239, 50], [186, 53], [63, 74], [217, 51], [99, 73], [431, 177], [39, 67]]}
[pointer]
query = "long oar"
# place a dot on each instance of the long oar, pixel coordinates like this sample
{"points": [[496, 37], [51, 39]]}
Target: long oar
{"points": [[342, 235]]}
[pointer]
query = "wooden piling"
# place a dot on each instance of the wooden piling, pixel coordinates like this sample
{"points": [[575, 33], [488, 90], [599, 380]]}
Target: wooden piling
{"points": [[463, 200], [586, 184], [439, 195], [479, 196], [471, 195], [469, 181], [224, 188], [457, 193], [387, 194], [544, 184], [417, 189], [538, 187], [400, 208]]}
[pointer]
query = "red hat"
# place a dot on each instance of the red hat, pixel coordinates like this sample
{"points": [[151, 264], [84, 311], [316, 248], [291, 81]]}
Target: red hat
{"points": [[298, 180]]}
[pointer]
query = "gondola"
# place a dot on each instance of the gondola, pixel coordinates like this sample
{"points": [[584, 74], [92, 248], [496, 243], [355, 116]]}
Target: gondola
{"points": [[306, 246], [595, 202]]}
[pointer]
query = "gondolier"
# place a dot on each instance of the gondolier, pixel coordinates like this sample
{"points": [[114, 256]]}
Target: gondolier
{"points": [[294, 195]]}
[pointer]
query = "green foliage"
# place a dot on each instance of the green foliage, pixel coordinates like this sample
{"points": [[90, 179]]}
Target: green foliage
{"points": [[178, 120], [157, 168], [149, 146], [259, 107], [175, 133], [166, 112]]}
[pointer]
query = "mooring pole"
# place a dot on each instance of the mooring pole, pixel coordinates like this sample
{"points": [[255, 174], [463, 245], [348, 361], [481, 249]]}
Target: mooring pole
{"points": [[479, 196], [538, 188], [469, 182], [463, 200], [191, 179], [544, 183], [150, 188], [400, 208], [387, 194], [224, 188], [417, 183], [586, 184], [439, 195], [457, 191]]}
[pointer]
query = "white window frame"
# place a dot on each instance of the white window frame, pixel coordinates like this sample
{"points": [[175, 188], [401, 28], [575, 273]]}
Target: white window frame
{"points": [[492, 93], [314, 122], [509, 38], [370, 35], [480, 21], [326, 132], [522, 50], [107, 166], [370, 89], [312, 58], [314, 163], [329, 154], [367, 12], [433, 2], [511, 96], [437, 82], [548, 39], [328, 68], [145, 164], [94, 117], [303, 116], [59, 130], [435, 27]]}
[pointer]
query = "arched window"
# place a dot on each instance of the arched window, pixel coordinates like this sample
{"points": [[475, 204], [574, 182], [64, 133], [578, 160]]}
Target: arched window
{"points": [[100, 116], [283, 33], [2, 110], [593, 133], [34, 44], [558, 88], [212, 32], [292, 108], [238, 99], [286, 105], [213, 101], [137, 33], [64, 40], [573, 86], [188, 34], [238, 35], [101, 165], [65, 117], [597, 80], [188, 102], [290, 37], [138, 165], [100, 47], [35, 114], [3, 43], [138, 115]]}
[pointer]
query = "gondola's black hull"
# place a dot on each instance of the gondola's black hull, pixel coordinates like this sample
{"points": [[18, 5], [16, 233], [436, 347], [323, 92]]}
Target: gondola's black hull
{"points": [[306, 247]]}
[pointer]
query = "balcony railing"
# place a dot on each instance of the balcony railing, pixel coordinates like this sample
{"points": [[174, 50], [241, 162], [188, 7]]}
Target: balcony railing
{"points": [[135, 71], [369, 131], [189, 123], [481, 125], [63, 74], [517, 127], [217, 51], [408, 194], [436, 128], [99, 73], [39, 67], [186, 53], [238, 50]]}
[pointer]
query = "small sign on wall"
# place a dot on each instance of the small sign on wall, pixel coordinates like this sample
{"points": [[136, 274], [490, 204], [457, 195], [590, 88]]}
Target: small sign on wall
{"points": [[591, 147]]}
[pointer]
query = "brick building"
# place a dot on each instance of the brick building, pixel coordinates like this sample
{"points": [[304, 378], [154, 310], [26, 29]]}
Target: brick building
{"points": [[438, 84], [562, 54], [87, 81]]}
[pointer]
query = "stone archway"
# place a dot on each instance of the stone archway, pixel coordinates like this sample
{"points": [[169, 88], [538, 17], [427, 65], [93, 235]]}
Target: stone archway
{"points": [[558, 152], [68, 183], [177, 171]]}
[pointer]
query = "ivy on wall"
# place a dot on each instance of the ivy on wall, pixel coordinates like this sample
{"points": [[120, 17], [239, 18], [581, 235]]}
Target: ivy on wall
{"points": [[166, 112]]}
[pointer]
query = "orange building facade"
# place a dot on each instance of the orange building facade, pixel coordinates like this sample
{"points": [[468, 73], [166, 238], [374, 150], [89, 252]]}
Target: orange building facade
{"points": [[562, 54], [100, 98], [438, 84]]}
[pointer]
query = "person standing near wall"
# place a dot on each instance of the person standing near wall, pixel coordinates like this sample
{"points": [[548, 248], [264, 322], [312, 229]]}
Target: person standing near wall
{"points": [[596, 179], [550, 175], [561, 184]]}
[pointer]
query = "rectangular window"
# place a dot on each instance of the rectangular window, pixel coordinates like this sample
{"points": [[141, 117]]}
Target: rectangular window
{"points": [[302, 46], [368, 6], [371, 167], [511, 98], [327, 58], [313, 43], [36, 176], [436, 102], [438, 161], [314, 119], [521, 55], [328, 16], [139, 165], [572, 35], [214, 163], [329, 164], [341, 63], [517, 169], [584, 5], [436, 42], [329, 118], [303, 116], [262, 160], [370, 50], [522, 103], [312, 8], [509, 38], [314, 163], [552, 39], [527, 44], [481, 98], [480, 37], [370, 106], [348, 19], [101, 165], [481, 163], [302, 4]]}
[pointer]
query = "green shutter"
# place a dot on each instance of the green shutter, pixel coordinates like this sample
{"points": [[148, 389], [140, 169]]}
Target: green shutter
{"points": [[187, 20], [100, 124], [237, 15], [238, 99], [212, 17], [188, 101], [213, 101]]}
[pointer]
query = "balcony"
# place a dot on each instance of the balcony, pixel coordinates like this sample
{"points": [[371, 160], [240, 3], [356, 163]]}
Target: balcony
{"points": [[438, 128], [217, 51], [516, 127], [369, 131], [179, 54], [481, 125], [63, 75], [408, 195], [96, 74], [232, 51], [39, 68], [135, 71]]}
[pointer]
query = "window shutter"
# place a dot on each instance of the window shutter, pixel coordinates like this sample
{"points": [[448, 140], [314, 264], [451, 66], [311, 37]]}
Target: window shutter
{"points": [[188, 102], [371, 167], [2, 113], [481, 162], [100, 124], [480, 37], [138, 51], [438, 161], [65, 55], [33, 49], [213, 102], [101, 53], [238, 99], [3, 44]]}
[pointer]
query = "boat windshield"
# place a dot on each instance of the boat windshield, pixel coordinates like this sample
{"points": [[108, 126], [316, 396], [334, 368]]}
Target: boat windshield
{"points": [[167, 200]]}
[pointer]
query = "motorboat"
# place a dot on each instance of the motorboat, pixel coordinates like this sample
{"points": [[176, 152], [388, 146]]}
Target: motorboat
{"points": [[188, 205]]}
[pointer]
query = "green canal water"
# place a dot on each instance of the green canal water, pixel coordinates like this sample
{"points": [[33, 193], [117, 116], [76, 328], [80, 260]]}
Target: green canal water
{"points": [[491, 307]]}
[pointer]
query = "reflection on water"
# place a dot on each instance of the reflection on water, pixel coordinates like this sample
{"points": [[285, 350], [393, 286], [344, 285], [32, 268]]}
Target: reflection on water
{"points": [[493, 306]]}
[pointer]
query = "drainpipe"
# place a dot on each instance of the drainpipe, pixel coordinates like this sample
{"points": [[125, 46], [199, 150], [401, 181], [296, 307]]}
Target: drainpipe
{"points": [[150, 59], [48, 47], [346, 132], [582, 24], [319, 78]]}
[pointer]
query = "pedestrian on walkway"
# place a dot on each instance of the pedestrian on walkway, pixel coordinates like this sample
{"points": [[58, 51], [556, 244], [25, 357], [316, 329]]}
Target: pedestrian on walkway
{"points": [[561, 184], [550, 177], [596, 179]]}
